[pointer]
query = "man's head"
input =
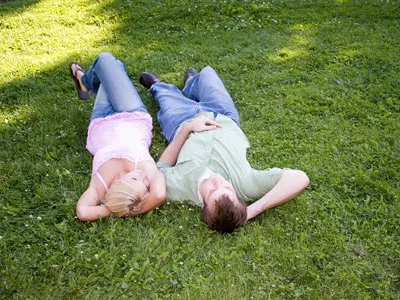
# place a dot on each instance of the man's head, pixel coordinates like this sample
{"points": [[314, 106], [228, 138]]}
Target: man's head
{"points": [[223, 211]]}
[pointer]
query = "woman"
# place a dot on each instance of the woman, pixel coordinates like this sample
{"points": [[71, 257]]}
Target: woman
{"points": [[125, 180]]}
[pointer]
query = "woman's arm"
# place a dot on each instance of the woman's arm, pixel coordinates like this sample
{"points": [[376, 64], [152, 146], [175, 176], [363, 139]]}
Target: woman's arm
{"points": [[289, 186], [157, 193], [87, 208]]}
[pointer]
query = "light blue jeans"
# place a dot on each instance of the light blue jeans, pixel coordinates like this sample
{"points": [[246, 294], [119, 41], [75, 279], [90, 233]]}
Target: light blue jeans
{"points": [[205, 92], [115, 92]]}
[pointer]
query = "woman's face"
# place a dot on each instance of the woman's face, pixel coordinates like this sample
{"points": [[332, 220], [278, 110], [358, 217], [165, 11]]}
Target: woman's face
{"points": [[139, 181]]}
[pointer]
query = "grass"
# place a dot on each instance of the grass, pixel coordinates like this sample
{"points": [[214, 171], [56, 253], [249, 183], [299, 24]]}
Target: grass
{"points": [[317, 87]]}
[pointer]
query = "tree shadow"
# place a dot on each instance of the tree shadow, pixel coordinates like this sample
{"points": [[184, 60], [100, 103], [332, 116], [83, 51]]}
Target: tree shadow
{"points": [[15, 6], [267, 56], [47, 127]]}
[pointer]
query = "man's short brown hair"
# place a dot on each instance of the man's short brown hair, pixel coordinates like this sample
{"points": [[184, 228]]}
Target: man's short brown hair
{"points": [[225, 216]]}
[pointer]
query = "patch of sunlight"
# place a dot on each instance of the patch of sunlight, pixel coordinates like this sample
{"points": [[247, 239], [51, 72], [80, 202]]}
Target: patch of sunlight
{"points": [[286, 54], [341, 1], [172, 77], [49, 33], [20, 114], [301, 27], [298, 46]]}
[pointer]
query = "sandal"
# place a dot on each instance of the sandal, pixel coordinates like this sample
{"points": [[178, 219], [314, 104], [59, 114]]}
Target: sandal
{"points": [[81, 94]]}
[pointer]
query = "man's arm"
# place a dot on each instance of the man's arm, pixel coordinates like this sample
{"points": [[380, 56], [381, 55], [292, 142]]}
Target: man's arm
{"points": [[171, 153], [289, 186]]}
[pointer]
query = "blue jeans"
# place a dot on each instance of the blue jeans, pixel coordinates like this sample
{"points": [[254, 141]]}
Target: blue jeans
{"points": [[205, 92], [115, 92]]}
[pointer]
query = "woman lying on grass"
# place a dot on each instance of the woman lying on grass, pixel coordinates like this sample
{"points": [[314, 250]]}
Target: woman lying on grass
{"points": [[125, 180]]}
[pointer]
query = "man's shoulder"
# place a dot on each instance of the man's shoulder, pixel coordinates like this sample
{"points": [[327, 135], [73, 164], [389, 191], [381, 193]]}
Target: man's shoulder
{"points": [[184, 170], [182, 181]]}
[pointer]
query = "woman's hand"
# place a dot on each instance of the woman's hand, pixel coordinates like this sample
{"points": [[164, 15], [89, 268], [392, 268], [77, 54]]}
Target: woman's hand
{"points": [[87, 208]]}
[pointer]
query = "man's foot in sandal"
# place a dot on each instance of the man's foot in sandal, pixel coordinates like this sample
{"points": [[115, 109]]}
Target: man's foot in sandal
{"points": [[76, 74]]}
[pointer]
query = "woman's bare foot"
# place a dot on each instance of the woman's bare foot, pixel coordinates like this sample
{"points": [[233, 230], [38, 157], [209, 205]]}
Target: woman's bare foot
{"points": [[76, 73]]}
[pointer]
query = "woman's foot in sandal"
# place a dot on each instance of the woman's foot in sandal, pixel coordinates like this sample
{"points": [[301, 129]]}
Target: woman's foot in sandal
{"points": [[76, 74]]}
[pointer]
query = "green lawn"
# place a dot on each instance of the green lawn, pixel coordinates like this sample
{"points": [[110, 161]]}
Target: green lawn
{"points": [[317, 85]]}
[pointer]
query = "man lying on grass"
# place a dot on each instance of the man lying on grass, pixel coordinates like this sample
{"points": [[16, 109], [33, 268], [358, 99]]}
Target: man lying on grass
{"points": [[205, 161]]}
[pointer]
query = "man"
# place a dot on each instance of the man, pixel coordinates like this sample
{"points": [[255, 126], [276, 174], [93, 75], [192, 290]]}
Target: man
{"points": [[205, 162]]}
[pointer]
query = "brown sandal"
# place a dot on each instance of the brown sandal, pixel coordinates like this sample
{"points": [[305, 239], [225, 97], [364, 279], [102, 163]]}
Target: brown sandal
{"points": [[81, 94]]}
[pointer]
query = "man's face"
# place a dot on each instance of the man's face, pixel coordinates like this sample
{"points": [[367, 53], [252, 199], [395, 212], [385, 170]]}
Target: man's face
{"points": [[214, 187]]}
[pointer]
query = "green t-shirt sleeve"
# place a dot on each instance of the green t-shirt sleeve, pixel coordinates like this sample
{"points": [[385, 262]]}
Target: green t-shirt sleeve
{"points": [[163, 166], [260, 182], [172, 178], [181, 182]]}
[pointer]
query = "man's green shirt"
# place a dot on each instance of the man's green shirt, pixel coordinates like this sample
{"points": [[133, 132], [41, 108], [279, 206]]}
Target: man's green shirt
{"points": [[224, 152]]}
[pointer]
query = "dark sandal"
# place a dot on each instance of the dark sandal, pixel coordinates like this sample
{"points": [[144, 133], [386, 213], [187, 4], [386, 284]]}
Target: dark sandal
{"points": [[81, 94]]}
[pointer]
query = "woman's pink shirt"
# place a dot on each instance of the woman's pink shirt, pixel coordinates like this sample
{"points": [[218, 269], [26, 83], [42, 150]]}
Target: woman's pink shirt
{"points": [[122, 135]]}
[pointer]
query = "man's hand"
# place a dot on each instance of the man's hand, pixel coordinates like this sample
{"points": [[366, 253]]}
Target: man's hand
{"points": [[289, 186], [202, 123]]}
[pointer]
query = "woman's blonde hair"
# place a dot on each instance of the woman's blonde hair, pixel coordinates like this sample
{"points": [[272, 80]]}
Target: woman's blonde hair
{"points": [[122, 200]]}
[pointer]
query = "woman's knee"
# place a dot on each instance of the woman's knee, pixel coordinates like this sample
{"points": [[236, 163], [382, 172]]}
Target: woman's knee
{"points": [[106, 60], [207, 69], [105, 55]]}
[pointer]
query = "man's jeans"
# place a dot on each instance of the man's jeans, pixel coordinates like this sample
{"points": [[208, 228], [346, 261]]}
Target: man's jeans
{"points": [[115, 92], [205, 92]]}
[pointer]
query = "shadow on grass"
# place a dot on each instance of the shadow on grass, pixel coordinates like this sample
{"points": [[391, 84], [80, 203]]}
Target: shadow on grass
{"points": [[43, 138], [252, 51], [15, 6], [308, 97]]}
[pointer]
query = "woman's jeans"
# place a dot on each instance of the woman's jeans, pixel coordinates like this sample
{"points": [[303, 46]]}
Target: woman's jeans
{"points": [[115, 92], [205, 92]]}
